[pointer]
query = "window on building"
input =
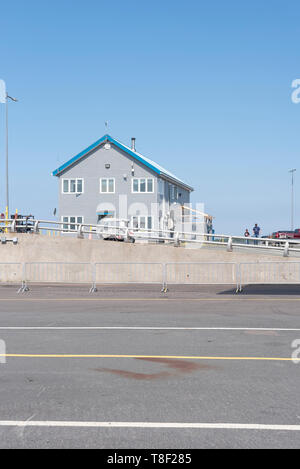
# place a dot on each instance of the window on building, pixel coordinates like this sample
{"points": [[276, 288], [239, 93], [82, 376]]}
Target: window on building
{"points": [[135, 222], [149, 185], [105, 214], [135, 185], [160, 187], [173, 192], [141, 222], [107, 185], [143, 185], [71, 223], [72, 186]]}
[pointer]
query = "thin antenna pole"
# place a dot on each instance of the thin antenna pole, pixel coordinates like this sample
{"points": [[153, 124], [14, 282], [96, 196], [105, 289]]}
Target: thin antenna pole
{"points": [[7, 178], [7, 182], [292, 201]]}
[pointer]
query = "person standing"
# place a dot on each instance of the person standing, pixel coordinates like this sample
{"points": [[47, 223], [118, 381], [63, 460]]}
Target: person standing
{"points": [[246, 235], [256, 231]]}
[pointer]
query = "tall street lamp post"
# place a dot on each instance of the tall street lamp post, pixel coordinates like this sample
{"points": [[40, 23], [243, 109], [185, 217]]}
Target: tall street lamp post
{"points": [[292, 205], [7, 178]]}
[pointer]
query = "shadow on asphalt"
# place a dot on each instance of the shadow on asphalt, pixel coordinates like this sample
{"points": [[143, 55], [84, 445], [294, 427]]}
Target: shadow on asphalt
{"points": [[276, 290], [142, 290]]}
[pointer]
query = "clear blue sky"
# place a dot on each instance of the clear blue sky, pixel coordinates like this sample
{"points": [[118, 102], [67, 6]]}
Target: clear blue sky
{"points": [[204, 86]]}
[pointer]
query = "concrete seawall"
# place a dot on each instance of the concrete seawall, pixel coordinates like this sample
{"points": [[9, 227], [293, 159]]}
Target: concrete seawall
{"points": [[38, 248]]}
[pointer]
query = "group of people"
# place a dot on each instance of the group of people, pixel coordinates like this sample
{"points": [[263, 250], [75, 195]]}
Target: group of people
{"points": [[256, 231]]}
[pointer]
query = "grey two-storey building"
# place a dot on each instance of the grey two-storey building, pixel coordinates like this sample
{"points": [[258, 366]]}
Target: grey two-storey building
{"points": [[110, 179]]}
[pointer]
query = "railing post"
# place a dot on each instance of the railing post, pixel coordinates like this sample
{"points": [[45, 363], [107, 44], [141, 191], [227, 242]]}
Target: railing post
{"points": [[176, 240], [36, 227], [79, 232], [286, 249], [13, 226], [229, 245]]}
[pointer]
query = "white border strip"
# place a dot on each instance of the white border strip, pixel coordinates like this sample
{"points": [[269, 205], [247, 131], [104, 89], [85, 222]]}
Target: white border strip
{"points": [[221, 426], [141, 328]]}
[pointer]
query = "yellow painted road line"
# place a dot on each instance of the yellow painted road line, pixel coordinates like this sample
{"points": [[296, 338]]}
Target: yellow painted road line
{"points": [[175, 357]]}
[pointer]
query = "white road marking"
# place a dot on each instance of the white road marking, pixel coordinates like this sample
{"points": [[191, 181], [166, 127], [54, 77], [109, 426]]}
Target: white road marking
{"points": [[80, 424], [141, 328]]}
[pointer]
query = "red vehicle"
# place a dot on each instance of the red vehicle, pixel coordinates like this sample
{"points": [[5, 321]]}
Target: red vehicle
{"points": [[283, 235], [286, 234]]}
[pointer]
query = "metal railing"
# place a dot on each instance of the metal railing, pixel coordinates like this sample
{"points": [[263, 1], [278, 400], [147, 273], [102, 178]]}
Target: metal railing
{"points": [[284, 246]]}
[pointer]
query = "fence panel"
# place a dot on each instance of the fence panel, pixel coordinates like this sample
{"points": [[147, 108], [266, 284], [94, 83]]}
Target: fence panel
{"points": [[11, 272], [59, 272], [269, 273], [128, 272], [197, 273]]}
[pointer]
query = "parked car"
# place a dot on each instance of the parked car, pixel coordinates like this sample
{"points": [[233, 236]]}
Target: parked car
{"points": [[114, 229], [284, 234], [297, 233]]}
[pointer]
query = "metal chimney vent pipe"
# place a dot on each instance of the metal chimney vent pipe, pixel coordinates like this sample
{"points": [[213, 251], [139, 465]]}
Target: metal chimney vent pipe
{"points": [[133, 144]]}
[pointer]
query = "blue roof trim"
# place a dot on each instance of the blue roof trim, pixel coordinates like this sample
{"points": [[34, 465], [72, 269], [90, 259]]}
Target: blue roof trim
{"points": [[108, 138], [80, 155], [95, 145]]}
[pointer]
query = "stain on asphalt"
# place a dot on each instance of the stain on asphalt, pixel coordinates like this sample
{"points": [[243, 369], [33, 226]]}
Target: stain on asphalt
{"points": [[137, 376], [183, 366], [178, 367]]}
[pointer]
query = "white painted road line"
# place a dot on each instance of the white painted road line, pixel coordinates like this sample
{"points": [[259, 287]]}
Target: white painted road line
{"points": [[141, 328], [212, 426]]}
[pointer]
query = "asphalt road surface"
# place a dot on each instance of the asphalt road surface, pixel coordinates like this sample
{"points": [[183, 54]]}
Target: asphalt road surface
{"points": [[130, 367]]}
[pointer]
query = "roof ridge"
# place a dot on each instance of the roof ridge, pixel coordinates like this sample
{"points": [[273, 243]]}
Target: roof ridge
{"points": [[143, 159]]}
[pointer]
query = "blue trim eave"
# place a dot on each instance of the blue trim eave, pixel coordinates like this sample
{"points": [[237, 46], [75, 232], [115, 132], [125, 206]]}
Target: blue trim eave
{"points": [[108, 138], [80, 155], [95, 145]]}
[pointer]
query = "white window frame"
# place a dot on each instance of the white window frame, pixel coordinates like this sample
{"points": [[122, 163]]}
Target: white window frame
{"points": [[139, 185], [69, 223], [69, 183], [107, 179], [139, 222]]}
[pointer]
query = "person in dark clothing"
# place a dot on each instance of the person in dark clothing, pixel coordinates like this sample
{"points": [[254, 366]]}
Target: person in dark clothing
{"points": [[256, 231], [247, 234]]}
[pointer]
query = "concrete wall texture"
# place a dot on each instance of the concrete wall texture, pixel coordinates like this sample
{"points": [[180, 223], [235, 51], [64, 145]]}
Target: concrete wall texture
{"points": [[38, 248]]}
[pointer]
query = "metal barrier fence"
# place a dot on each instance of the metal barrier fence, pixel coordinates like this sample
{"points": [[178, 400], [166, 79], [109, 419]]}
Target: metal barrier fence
{"points": [[195, 273], [164, 274], [57, 272], [128, 272], [11, 272], [268, 273]]}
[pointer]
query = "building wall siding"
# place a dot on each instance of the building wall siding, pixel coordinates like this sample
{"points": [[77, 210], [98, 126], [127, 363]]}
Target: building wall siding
{"points": [[92, 167]]}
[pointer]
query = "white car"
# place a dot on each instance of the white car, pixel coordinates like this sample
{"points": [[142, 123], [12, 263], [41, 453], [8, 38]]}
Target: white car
{"points": [[115, 229]]}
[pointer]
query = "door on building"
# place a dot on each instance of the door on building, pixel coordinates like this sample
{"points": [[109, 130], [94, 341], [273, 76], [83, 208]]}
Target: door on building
{"points": [[105, 214]]}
